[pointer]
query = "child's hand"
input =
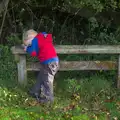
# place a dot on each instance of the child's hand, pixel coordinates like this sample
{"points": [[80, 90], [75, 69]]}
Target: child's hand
{"points": [[25, 48]]}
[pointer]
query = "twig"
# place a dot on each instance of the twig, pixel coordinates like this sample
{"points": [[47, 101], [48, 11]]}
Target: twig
{"points": [[1, 28]]}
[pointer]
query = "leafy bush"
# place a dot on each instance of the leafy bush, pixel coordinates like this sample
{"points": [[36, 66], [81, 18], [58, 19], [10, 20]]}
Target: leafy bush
{"points": [[8, 70]]}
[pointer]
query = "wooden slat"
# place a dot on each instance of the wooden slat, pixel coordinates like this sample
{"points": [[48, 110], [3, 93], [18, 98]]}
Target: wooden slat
{"points": [[78, 49], [17, 50], [88, 49], [78, 65]]}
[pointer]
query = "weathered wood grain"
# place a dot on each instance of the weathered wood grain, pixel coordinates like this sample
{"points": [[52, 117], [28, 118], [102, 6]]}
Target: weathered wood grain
{"points": [[78, 49], [22, 73], [77, 65]]}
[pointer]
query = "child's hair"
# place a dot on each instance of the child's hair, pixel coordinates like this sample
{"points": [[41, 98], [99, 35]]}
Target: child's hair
{"points": [[27, 33]]}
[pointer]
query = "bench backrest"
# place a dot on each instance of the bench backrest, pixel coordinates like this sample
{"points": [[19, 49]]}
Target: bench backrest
{"points": [[23, 67], [78, 49]]}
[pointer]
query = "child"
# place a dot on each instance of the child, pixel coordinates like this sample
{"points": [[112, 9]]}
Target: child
{"points": [[40, 45]]}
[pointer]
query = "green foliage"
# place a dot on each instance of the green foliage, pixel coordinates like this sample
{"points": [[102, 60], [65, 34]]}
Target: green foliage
{"points": [[98, 5], [99, 34], [80, 117], [67, 28], [14, 39], [7, 67]]}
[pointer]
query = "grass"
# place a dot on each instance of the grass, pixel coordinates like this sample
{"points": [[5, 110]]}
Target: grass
{"points": [[82, 98]]}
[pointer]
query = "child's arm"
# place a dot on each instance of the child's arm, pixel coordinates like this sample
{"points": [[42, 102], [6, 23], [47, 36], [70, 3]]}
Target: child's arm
{"points": [[33, 49]]}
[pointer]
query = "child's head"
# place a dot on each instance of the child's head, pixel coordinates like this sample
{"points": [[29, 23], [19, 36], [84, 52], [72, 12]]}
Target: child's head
{"points": [[28, 36]]}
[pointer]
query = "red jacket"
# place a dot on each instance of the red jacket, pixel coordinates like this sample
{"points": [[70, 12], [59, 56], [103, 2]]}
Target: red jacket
{"points": [[42, 47]]}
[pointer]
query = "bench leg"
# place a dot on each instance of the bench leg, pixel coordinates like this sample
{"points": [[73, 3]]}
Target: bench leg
{"points": [[118, 79], [22, 73]]}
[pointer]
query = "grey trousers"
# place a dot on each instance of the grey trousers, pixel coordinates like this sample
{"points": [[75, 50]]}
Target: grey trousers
{"points": [[45, 79]]}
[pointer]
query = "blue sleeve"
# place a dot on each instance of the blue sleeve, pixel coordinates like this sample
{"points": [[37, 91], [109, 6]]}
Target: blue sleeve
{"points": [[33, 49], [44, 33]]}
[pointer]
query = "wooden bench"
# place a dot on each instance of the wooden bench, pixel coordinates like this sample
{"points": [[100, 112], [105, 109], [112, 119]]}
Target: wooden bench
{"points": [[23, 67]]}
